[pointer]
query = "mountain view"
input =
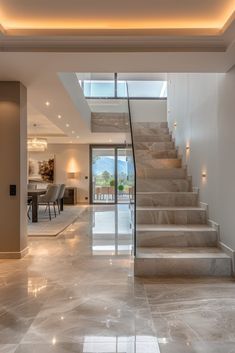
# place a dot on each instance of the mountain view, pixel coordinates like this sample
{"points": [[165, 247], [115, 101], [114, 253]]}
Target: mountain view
{"points": [[107, 164]]}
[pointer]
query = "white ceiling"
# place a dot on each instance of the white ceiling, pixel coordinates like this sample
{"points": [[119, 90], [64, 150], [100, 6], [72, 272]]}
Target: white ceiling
{"points": [[39, 72], [39, 125], [41, 40]]}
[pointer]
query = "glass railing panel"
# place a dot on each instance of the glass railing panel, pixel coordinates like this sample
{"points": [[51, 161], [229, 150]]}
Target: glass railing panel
{"points": [[131, 175]]}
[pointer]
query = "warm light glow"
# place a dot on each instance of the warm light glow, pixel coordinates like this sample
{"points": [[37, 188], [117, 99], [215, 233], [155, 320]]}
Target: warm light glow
{"points": [[159, 15], [36, 144], [67, 125], [175, 124], [72, 166], [187, 148], [116, 25], [59, 116], [204, 174], [47, 104]]}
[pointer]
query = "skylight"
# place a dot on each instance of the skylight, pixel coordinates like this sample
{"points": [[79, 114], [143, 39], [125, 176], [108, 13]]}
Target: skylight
{"points": [[113, 87]]}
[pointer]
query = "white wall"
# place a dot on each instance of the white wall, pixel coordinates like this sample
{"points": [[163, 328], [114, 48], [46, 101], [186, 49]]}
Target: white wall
{"points": [[70, 158], [202, 106], [226, 157], [148, 110]]}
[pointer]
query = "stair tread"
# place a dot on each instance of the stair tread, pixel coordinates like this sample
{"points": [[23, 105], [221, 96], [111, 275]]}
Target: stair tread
{"points": [[172, 149], [181, 253], [167, 159], [156, 169], [175, 227], [169, 208], [166, 192]]}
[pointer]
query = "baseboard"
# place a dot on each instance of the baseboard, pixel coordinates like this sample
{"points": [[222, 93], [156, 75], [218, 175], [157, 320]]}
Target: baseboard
{"points": [[196, 189], [205, 207], [230, 252], [216, 226], [14, 254]]}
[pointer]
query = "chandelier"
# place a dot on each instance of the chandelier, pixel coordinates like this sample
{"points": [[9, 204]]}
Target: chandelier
{"points": [[37, 144]]}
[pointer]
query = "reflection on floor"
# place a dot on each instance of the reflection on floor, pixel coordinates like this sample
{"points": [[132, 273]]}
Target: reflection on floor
{"points": [[65, 297], [111, 231]]}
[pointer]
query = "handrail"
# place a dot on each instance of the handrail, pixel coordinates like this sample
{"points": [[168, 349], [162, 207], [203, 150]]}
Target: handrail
{"points": [[133, 153]]}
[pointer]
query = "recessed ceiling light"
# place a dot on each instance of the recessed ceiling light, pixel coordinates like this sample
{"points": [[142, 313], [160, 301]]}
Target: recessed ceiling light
{"points": [[47, 103], [59, 116], [73, 131], [110, 140], [67, 125], [77, 137]]}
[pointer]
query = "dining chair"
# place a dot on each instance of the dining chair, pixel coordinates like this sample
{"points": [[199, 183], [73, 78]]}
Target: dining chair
{"points": [[30, 186], [50, 198], [60, 196]]}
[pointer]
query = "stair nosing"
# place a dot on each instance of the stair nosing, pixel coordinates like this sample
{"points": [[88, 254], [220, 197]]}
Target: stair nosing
{"points": [[167, 192], [169, 208], [203, 251], [174, 227]]}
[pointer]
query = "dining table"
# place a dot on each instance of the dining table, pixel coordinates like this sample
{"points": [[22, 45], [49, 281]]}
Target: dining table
{"points": [[34, 195]]}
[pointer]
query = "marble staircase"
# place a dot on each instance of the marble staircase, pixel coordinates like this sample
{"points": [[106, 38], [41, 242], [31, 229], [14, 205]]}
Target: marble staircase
{"points": [[173, 235]]}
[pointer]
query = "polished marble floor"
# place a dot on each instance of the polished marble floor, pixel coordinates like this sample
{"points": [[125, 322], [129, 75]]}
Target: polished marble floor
{"points": [[77, 293]]}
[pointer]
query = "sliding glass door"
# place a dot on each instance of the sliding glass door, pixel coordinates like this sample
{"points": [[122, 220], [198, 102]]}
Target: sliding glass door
{"points": [[110, 175], [103, 174]]}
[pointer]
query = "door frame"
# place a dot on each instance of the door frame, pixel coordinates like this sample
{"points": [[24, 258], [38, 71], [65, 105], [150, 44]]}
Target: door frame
{"points": [[115, 147]]}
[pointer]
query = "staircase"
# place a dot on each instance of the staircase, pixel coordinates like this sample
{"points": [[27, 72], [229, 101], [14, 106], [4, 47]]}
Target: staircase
{"points": [[172, 233]]}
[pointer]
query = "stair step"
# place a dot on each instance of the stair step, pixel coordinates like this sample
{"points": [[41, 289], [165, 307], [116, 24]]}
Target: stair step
{"points": [[154, 146], [170, 215], [153, 185], [159, 163], [152, 235], [186, 262], [150, 131], [151, 124], [161, 173], [172, 234], [166, 198], [152, 138], [143, 153]]}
